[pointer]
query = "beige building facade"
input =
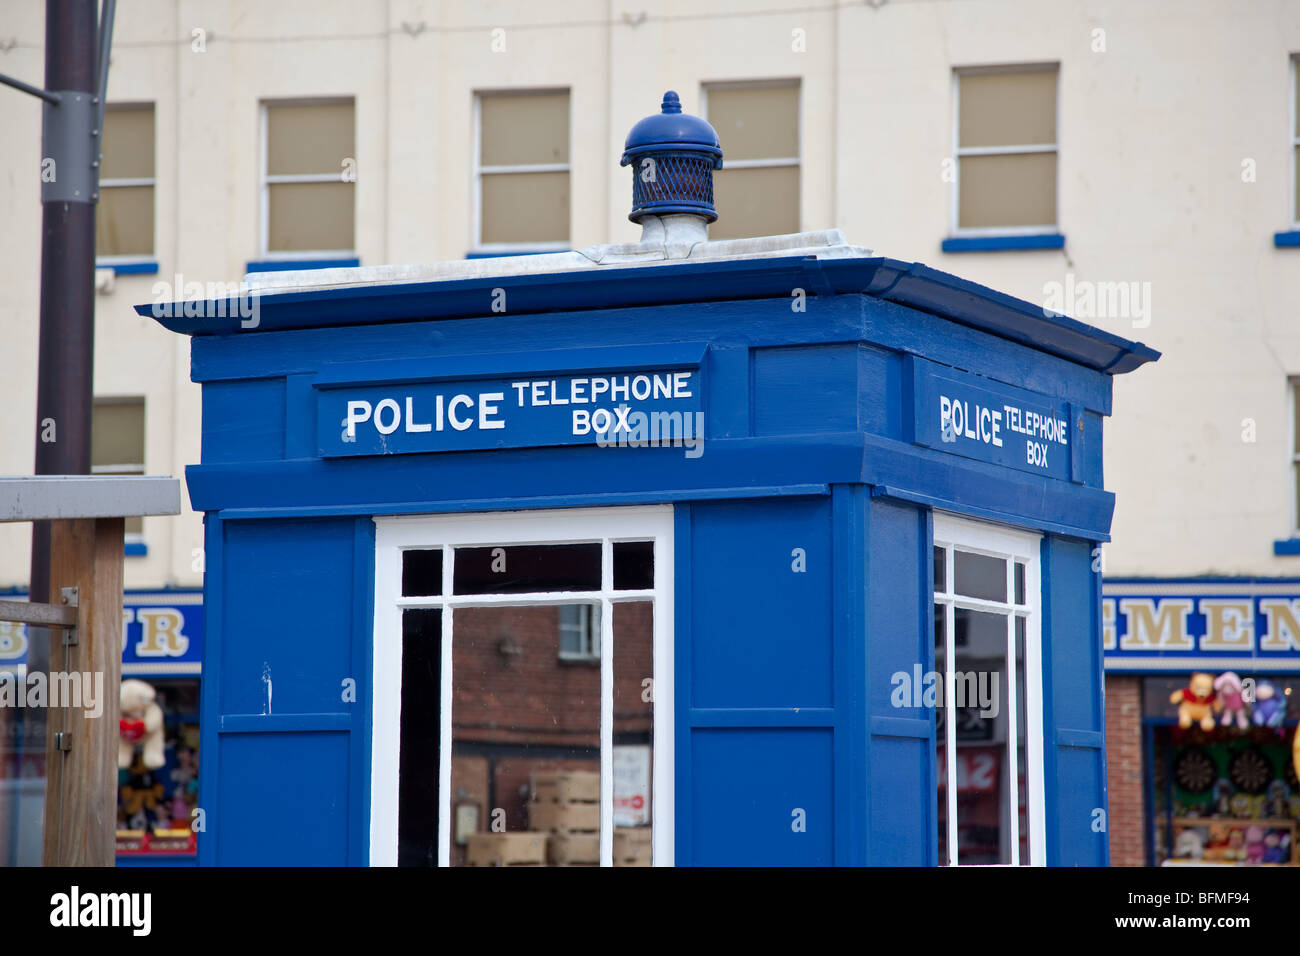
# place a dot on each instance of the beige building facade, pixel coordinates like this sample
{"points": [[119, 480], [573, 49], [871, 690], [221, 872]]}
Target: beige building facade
{"points": [[1131, 164]]}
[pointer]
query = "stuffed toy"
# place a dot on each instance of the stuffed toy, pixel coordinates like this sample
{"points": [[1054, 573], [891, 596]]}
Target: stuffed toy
{"points": [[1217, 845], [1228, 688], [1246, 807], [1273, 848], [1255, 845], [141, 796], [1190, 845], [1236, 850], [141, 724], [1270, 706], [1196, 702]]}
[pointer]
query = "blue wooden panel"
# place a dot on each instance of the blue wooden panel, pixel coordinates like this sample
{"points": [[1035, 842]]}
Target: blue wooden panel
{"points": [[1073, 748], [1080, 794], [747, 788], [755, 323], [288, 617], [805, 389], [284, 800], [1075, 637], [243, 421], [761, 630], [902, 822], [880, 392], [898, 607]]}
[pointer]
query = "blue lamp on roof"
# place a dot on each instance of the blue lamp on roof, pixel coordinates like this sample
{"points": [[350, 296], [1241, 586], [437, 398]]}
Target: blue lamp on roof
{"points": [[673, 156]]}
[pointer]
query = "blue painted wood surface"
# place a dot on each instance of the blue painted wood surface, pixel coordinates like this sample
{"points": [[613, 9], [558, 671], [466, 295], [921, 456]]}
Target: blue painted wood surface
{"points": [[783, 707]]}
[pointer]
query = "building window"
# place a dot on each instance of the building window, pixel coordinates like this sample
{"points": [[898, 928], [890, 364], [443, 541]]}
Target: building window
{"points": [[124, 219], [521, 167], [1295, 456], [988, 740], [1295, 139], [308, 174], [756, 192], [1006, 150], [580, 632], [117, 445]]}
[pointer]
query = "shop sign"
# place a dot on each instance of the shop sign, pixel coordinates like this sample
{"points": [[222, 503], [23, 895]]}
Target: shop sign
{"points": [[970, 416], [1206, 624], [162, 634]]}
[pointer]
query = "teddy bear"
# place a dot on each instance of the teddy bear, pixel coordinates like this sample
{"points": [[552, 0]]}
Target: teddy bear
{"points": [[1197, 702], [141, 723], [1190, 845], [1270, 706], [1228, 688], [1217, 846]]}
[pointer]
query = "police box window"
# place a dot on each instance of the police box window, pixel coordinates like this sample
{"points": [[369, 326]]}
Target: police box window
{"points": [[522, 170], [117, 445], [124, 219], [984, 691], [308, 170], [756, 192], [1006, 149]]}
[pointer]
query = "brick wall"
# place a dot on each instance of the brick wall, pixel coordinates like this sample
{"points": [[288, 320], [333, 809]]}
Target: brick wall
{"points": [[1124, 770], [503, 705]]}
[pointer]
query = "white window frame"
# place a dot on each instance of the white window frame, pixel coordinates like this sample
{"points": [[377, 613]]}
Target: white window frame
{"points": [[588, 635], [951, 531], [479, 171], [1293, 387], [1294, 138], [266, 181], [954, 210], [569, 526], [111, 182]]}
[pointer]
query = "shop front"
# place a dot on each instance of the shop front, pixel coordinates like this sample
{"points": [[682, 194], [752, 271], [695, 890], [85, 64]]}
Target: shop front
{"points": [[764, 551], [1210, 669], [162, 648]]}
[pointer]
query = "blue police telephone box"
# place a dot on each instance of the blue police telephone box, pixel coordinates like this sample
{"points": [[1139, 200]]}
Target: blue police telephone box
{"points": [[763, 551]]}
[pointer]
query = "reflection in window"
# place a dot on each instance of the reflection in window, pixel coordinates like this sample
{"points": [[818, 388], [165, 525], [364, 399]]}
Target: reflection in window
{"points": [[980, 741]]}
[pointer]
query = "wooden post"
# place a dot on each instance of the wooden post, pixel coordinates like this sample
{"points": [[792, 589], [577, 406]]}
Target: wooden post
{"points": [[81, 795]]}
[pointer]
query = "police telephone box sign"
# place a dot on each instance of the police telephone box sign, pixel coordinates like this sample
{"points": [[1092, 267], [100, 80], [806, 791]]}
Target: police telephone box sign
{"points": [[647, 397], [966, 415]]}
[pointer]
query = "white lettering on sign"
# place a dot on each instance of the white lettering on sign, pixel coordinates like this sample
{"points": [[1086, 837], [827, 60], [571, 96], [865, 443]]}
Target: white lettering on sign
{"points": [[590, 391], [983, 424], [387, 416]]}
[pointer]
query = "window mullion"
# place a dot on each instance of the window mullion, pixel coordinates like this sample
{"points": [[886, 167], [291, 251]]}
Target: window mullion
{"points": [[949, 695], [1013, 785], [445, 729]]}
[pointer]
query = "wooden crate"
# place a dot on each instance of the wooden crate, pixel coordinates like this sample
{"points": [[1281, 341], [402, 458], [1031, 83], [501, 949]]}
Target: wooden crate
{"points": [[506, 849], [564, 817], [573, 849], [632, 846], [567, 786]]}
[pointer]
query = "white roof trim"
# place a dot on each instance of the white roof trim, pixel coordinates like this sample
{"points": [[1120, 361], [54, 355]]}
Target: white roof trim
{"points": [[823, 244]]}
